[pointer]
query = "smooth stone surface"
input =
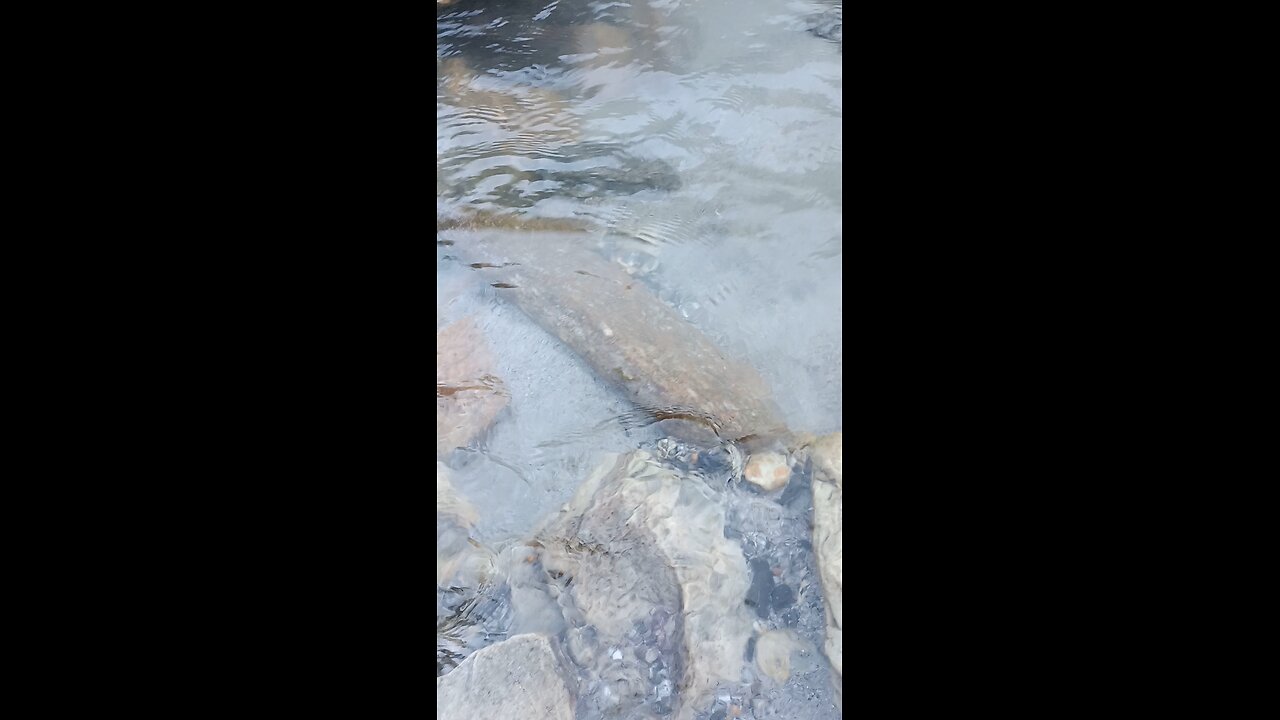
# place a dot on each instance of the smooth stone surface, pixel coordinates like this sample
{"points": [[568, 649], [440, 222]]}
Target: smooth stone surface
{"points": [[827, 454], [518, 677]]}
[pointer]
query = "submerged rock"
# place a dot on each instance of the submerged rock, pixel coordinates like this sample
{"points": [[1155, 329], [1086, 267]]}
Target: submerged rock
{"points": [[516, 678], [622, 330], [776, 534], [468, 395], [651, 587], [768, 471], [827, 454], [631, 175], [773, 654], [828, 24]]}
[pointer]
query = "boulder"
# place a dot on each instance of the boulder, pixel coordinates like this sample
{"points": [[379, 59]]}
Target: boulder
{"points": [[518, 677], [651, 587]]}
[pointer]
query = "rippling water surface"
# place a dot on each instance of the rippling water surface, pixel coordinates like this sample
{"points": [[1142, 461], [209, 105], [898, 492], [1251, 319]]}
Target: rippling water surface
{"points": [[696, 145]]}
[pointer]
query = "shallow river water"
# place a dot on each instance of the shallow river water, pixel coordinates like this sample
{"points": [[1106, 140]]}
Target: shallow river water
{"points": [[694, 147]]}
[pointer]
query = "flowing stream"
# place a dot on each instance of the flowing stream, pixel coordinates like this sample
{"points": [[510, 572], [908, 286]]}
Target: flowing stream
{"points": [[695, 148]]}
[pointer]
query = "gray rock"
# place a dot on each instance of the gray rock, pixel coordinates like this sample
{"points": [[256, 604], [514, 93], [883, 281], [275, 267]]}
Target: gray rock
{"points": [[641, 560], [519, 677]]}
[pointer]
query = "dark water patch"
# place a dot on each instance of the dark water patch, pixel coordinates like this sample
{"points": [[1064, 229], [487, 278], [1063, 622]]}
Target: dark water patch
{"points": [[761, 591]]}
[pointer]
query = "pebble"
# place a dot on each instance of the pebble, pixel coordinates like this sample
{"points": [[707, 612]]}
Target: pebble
{"points": [[768, 471]]}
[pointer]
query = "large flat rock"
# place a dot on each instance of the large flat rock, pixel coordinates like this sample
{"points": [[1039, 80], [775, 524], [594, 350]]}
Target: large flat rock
{"points": [[516, 678]]}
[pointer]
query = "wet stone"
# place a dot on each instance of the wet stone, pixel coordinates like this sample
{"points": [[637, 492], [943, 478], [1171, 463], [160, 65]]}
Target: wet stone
{"points": [[783, 597], [768, 471], [641, 556], [774, 654], [780, 538], [625, 333], [519, 677]]}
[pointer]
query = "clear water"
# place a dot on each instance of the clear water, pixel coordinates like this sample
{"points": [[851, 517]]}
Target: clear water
{"points": [[698, 144]]}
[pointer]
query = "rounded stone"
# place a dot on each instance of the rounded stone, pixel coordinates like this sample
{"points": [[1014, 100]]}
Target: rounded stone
{"points": [[768, 471]]}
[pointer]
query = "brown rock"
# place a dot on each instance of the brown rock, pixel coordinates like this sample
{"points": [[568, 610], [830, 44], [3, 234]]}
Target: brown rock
{"points": [[468, 394], [769, 471], [623, 331]]}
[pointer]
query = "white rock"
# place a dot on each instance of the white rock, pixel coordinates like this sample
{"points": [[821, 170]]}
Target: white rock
{"points": [[768, 471], [827, 454], [518, 677]]}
